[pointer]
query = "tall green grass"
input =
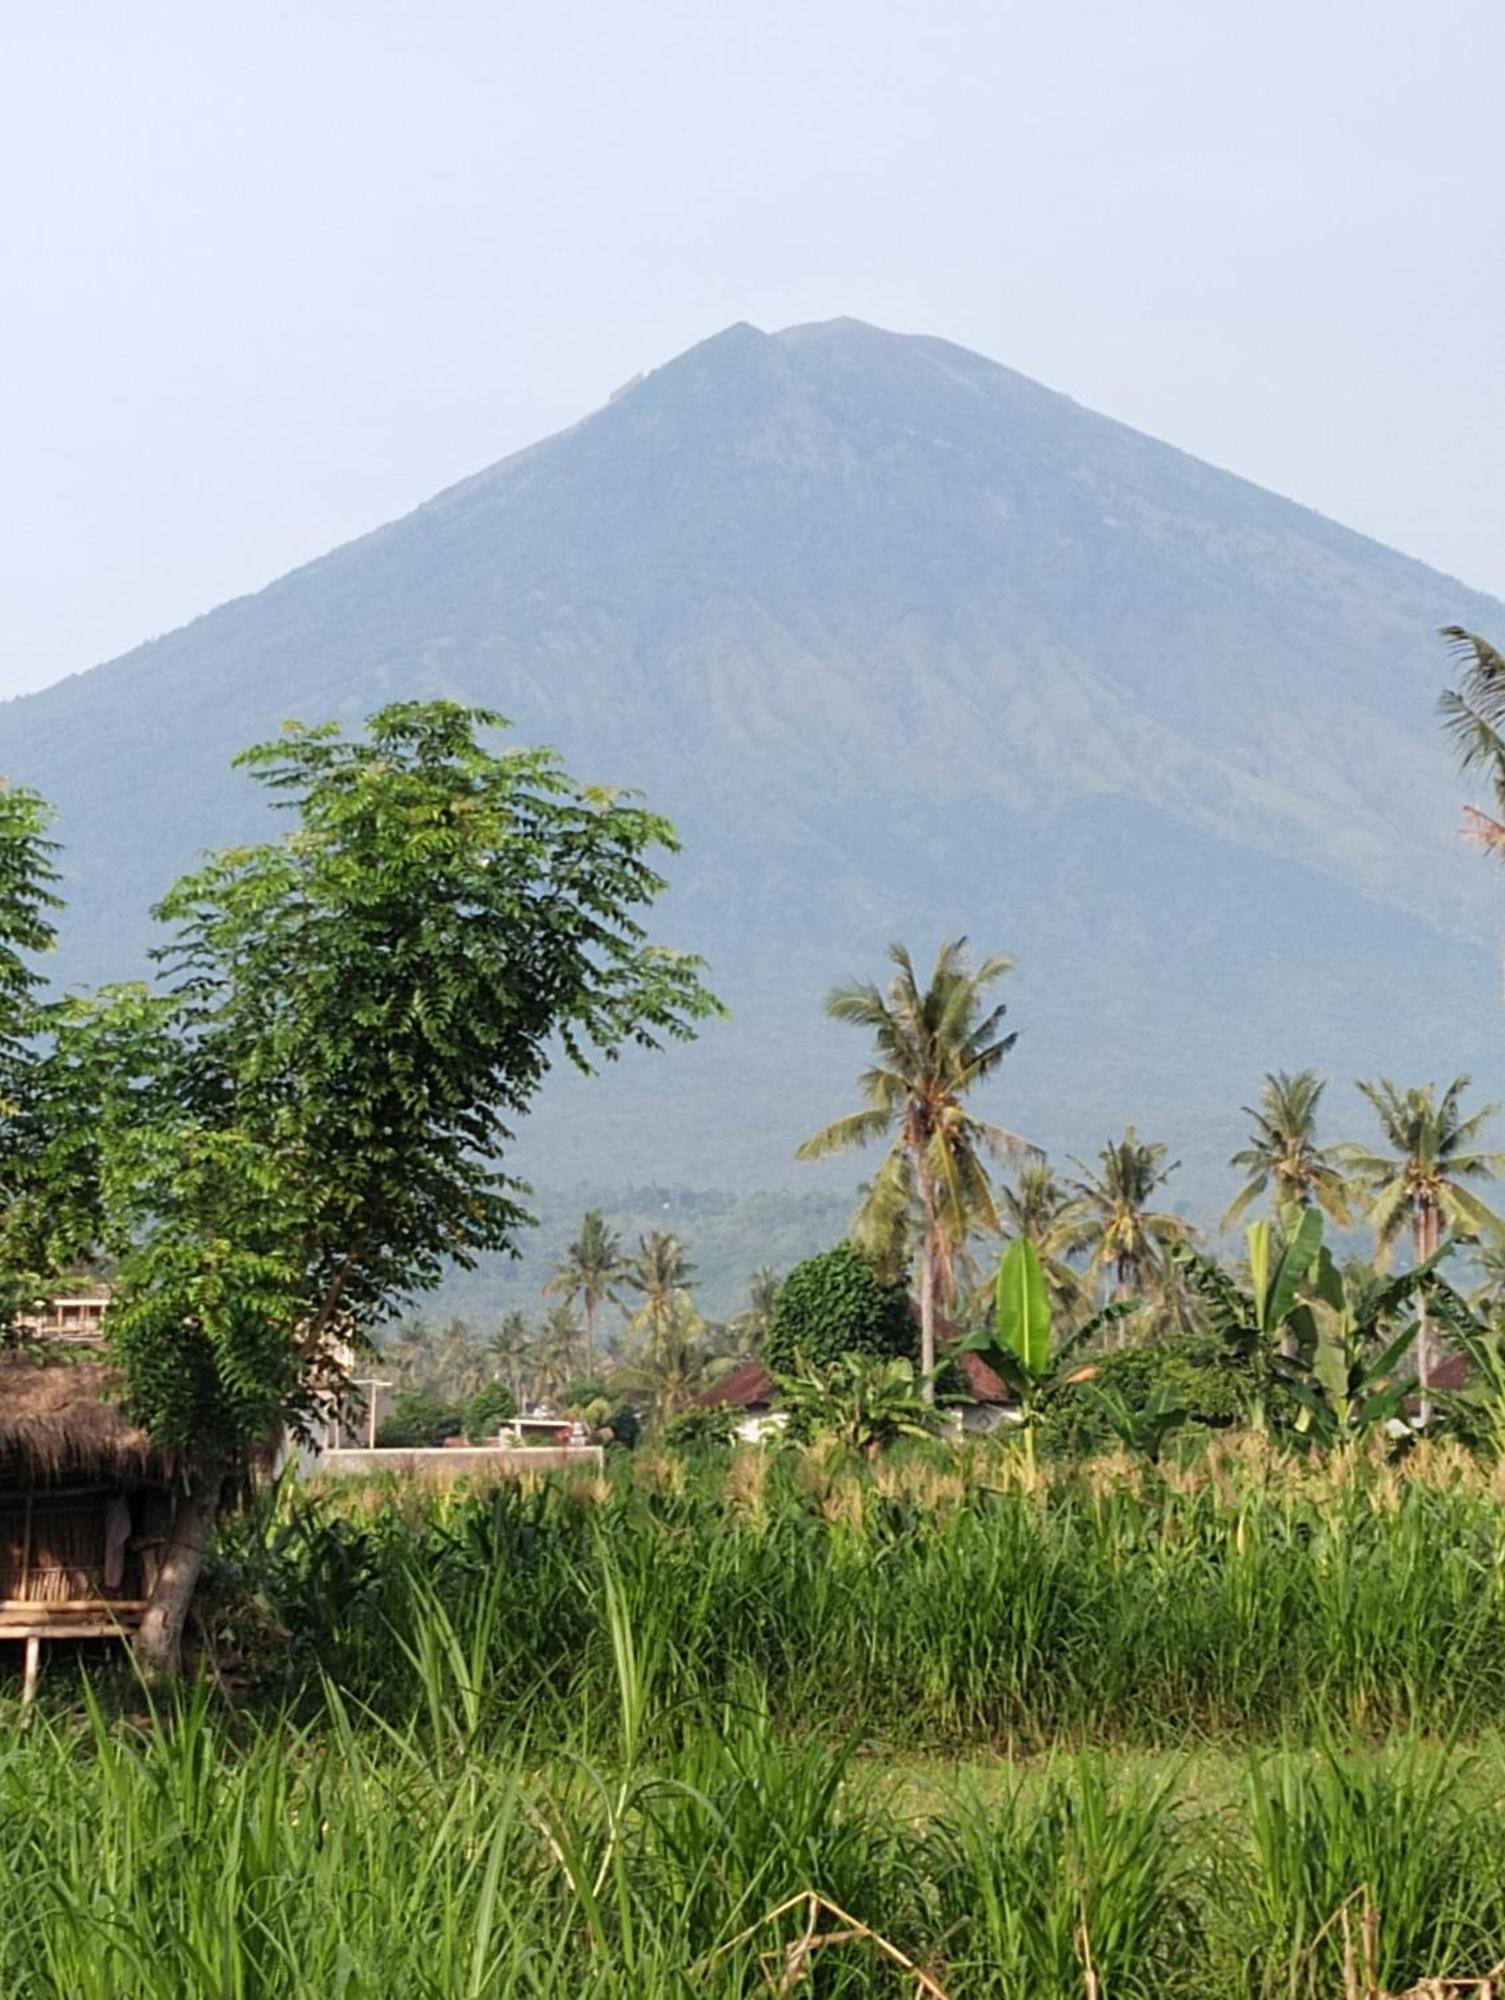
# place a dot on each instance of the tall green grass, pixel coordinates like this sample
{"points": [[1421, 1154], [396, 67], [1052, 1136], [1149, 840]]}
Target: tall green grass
{"points": [[654, 1735], [931, 1603], [184, 1856]]}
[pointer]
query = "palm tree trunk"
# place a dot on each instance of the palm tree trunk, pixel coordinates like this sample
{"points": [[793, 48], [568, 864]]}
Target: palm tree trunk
{"points": [[930, 1250], [1426, 1240], [590, 1334]]}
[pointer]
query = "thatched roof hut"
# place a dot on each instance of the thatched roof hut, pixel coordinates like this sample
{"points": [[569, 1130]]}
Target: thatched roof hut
{"points": [[60, 1422], [86, 1501]]}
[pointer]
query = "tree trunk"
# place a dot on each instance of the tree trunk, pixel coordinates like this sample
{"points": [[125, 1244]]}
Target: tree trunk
{"points": [[929, 1257], [1427, 1233], [159, 1639]]}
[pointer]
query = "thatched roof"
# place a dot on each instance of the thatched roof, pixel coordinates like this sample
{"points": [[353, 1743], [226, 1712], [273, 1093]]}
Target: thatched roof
{"points": [[58, 1419]]}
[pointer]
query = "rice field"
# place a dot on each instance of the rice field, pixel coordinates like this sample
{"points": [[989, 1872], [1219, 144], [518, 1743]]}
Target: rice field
{"points": [[758, 1725]]}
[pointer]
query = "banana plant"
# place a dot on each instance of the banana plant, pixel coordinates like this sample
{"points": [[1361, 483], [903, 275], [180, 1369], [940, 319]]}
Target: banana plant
{"points": [[1020, 1349], [1346, 1391], [1296, 1330], [1271, 1322], [1476, 1411], [1143, 1429]]}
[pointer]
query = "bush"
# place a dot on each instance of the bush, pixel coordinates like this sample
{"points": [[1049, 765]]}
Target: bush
{"points": [[487, 1410], [697, 1427], [836, 1304], [1194, 1372], [417, 1421]]}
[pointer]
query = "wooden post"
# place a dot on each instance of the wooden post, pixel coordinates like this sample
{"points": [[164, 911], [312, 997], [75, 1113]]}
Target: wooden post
{"points": [[33, 1668]]}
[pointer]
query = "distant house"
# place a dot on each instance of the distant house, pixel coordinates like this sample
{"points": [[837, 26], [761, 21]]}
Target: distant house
{"points": [[751, 1390], [86, 1500], [988, 1406], [74, 1318]]}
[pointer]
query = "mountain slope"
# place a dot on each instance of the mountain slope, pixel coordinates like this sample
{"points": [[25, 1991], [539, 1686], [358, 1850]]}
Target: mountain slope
{"points": [[904, 643]]}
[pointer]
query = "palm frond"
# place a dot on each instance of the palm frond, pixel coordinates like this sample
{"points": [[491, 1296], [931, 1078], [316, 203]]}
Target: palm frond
{"points": [[858, 1128]]}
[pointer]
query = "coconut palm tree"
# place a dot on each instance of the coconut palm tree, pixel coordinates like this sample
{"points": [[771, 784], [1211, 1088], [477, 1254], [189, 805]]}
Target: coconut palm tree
{"points": [[1419, 1184], [592, 1268], [508, 1350], [1109, 1217], [410, 1353], [663, 1275], [932, 1047], [1283, 1155], [666, 1371], [554, 1366], [750, 1327], [458, 1363], [1474, 717]]}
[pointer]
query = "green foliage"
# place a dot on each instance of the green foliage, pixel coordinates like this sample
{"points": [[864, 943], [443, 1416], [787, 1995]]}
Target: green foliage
{"points": [[486, 1412], [836, 1304], [1022, 1307], [862, 1402], [47, 1203], [310, 1124], [417, 1422], [1020, 1350], [687, 1429], [1137, 1395]]}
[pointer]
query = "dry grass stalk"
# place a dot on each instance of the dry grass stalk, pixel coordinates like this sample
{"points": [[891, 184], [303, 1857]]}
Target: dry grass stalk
{"points": [[1361, 1956], [792, 1961]]}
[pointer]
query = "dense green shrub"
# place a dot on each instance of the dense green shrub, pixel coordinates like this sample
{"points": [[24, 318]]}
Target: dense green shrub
{"points": [[417, 1421], [488, 1409], [836, 1304], [697, 1427], [1193, 1372]]}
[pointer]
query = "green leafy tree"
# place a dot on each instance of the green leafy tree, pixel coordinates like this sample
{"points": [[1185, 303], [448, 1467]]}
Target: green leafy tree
{"points": [[48, 1219], [1424, 1182], [836, 1304], [312, 1121], [1283, 1156], [418, 1421], [1111, 1218], [592, 1269], [487, 1410], [932, 1047]]}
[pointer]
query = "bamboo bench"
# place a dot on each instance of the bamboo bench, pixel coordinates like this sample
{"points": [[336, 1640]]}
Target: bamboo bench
{"points": [[33, 1620]]}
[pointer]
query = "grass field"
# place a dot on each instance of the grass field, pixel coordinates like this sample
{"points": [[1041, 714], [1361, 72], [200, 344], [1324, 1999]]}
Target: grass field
{"points": [[1222, 1731]]}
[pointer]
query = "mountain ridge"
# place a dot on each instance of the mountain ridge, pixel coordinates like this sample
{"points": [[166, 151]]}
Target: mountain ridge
{"points": [[906, 644]]}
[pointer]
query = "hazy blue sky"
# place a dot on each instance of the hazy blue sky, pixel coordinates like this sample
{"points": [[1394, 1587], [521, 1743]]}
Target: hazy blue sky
{"points": [[275, 272]]}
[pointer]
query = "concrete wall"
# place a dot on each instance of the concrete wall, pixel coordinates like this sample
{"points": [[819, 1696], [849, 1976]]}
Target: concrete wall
{"points": [[471, 1460]]}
